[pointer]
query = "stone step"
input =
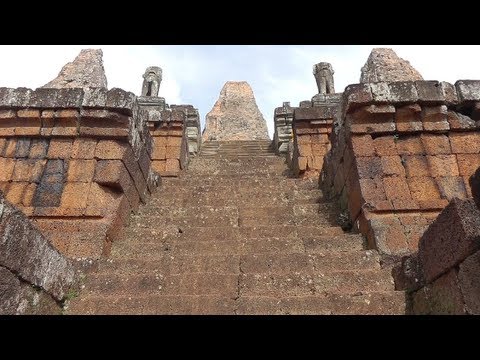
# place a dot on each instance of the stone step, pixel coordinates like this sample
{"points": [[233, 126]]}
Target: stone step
{"points": [[236, 142], [240, 147], [243, 188], [137, 233], [231, 155], [250, 149], [305, 284], [158, 248], [345, 242], [324, 217], [254, 165], [152, 305], [172, 264], [212, 183], [374, 303], [263, 253], [161, 248], [154, 217], [292, 210], [236, 161], [247, 196], [233, 286], [309, 263], [159, 284], [240, 174], [280, 214], [243, 150]]}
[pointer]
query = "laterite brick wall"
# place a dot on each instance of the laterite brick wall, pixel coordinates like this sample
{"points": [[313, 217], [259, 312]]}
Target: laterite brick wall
{"points": [[400, 152]]}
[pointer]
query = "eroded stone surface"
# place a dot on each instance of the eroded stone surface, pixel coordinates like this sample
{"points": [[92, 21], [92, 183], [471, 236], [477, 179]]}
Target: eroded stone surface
{"points": [[83, 72], [235, 115], [383, 65], [151, 81], [32, 273]]}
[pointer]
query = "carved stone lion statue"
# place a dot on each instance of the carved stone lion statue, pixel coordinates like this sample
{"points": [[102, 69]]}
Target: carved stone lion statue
{"points": [[323, 73], [151, 81]]}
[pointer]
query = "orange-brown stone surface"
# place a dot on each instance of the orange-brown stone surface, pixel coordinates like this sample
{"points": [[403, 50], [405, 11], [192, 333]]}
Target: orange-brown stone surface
{"points": [[235, 115]]}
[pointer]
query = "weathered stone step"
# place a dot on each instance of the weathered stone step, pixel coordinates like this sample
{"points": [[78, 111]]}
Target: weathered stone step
{"points": [[236, 142], [319, 253], [244, 149], [209, 256], [238, 165], [136, 233], [245, 188], [250, 151], [291, 210], [190, 246], [236, 161], [373, 303], [181, 216], [309, 263], [236, 155], [235, 184], [245, 195], [159, 284], [188, 177], [153, 305], [172, 264], [229, 285], [345, 242], [240, 173], [237, 148], [324, 218], [305, 284], [278, 213]]}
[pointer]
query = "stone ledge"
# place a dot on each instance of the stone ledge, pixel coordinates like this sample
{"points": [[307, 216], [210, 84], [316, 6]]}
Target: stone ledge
{"points": [[431, 93], [64, 122], [283, 110], [315, 113], [115, 99]]}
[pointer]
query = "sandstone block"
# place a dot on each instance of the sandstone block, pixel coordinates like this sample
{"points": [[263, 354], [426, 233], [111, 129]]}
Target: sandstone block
{"points": [[410, 146], [416, 165], [60, 148], [408, 118], [442, 165], [81, 170], [423, 188], [84, 148], [452, 237], [465, 143]]}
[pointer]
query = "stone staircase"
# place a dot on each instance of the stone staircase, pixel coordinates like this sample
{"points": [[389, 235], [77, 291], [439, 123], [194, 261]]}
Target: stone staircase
{"points": [[235, 235], [237, 148]]}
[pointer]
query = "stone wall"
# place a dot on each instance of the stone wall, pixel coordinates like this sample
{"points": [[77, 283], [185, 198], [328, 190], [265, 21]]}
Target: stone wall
{"points": [[442, 277], [170, 144], [311, 134], [34, 276], [400, 152], [192, 122], [76, 161], [283, 120]]}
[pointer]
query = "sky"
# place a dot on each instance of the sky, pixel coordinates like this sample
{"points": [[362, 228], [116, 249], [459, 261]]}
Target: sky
{"points": [[195, 74]]}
